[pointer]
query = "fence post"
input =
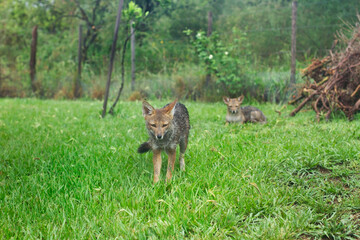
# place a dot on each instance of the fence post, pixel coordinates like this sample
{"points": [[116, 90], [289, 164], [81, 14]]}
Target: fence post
{"points": [[33, 60], [293, 45], [77, 87]]}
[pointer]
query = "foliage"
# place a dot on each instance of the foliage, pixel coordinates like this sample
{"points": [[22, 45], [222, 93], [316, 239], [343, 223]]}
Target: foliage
{"points": [[228, 63], [65, 173], [262, 29], [133, 11], [268, 25]]}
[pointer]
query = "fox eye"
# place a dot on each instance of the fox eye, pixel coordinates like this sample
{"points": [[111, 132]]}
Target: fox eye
{"points": [[165, 124], [153, 125]]}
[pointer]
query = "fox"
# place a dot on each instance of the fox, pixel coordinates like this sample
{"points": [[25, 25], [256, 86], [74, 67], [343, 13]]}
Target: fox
{"points": [[167, 127], [238, 114]]}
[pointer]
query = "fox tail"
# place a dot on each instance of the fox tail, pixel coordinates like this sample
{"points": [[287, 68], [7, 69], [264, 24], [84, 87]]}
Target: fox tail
{"points": [[144, 147]]}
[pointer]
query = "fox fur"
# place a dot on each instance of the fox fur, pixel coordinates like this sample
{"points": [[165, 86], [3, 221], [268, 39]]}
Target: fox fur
{"points": [[238, 114], [167, 127]]}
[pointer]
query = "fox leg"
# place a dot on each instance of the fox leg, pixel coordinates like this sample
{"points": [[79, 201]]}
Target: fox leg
{"points": [[171, 163], [183, 145], [157, 164]]}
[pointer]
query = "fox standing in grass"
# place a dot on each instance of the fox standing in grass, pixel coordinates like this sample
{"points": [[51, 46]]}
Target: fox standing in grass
{"points": [[166, 127], [236, 113]]}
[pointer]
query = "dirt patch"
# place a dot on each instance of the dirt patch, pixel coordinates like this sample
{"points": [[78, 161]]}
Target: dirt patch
{"points": [[307, 237], [335, 180], [356, 218], [323, 170]]}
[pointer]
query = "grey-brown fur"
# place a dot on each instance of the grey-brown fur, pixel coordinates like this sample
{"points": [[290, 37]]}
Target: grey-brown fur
{"points": [[236, 113], [167, 127], [177, 133]]}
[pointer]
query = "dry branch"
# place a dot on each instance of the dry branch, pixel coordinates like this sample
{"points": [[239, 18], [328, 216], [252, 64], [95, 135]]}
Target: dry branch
{"points": [[333, 83]]}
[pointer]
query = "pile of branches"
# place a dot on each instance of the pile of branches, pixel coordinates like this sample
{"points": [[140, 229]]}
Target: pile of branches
{"points": [[333, 83]]}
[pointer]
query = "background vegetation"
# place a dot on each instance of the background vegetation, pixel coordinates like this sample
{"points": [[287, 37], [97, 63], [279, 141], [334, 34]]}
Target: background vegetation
{"points": [[255, 34]]}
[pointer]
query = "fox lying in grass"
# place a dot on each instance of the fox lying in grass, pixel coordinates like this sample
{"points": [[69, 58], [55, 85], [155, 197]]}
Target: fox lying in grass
{"points": [[166, 127], [236, 113]]}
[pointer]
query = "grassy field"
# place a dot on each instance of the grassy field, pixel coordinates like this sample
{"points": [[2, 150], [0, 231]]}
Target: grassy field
{"points": [[67, 173]]}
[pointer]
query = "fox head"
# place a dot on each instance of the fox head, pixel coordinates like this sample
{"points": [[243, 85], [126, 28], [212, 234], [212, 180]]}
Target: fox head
{"points": [[233, 104], [158, 121]]}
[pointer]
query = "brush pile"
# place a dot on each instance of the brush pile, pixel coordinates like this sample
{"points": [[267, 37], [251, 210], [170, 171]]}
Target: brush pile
{"points": [[333, 83]]}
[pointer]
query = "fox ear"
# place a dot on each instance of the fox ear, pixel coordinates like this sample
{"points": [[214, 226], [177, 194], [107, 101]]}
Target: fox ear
{"points": [[226, 100], [170, 109], [147, 109], [241, 98]]}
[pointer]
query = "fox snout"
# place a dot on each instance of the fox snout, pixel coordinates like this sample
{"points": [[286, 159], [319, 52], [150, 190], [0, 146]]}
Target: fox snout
{"points": [[233, 109], [158, 131], [159, 136]]}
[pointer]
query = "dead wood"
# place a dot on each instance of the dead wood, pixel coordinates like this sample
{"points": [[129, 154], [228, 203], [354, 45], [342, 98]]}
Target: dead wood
{"points": [[333, 83]]}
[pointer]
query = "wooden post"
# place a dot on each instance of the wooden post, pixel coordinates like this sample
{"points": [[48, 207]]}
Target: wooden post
{"points": [[209, 32], [210, 21], [33, 60], [293, 45], [77, 87], [132, 43], [112, 55]]}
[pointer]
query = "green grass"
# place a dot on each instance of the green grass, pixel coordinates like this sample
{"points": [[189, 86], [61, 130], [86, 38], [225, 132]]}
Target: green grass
{"points": [[67, 173]]}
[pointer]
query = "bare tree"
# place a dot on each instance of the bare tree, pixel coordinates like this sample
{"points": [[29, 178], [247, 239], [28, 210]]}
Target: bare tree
{"points": [[93, 23], [93, 19], [111, 111], [112, 55], [132, 41], [132, 32]]}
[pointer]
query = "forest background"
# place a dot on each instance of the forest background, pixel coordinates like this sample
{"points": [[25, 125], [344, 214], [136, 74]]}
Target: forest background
{"points": [[247, 53]]}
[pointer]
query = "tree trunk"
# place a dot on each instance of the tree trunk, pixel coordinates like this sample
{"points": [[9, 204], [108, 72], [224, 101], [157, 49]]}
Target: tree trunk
{"points": [[209, 32], [132, 41], [112, 55], [33, 60], [293, 45], [77, 85], [210, 22]]}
